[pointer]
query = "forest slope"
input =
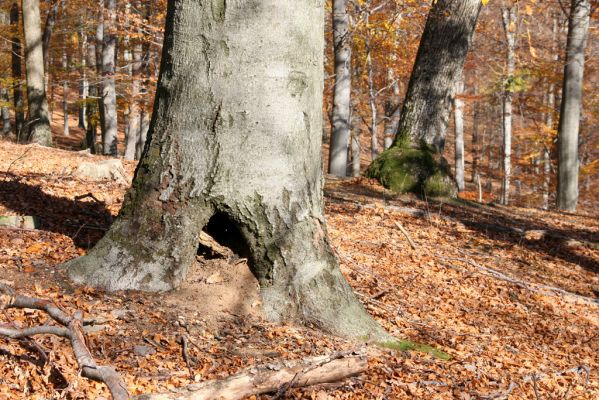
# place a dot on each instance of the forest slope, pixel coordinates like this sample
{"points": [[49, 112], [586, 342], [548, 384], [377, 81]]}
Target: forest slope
{"points": [[512, 294]]}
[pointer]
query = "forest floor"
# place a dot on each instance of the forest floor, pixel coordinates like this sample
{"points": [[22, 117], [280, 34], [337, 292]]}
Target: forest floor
{"points": [[512, 294]]}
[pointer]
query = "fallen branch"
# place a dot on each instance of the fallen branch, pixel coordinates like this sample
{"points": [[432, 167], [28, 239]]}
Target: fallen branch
{"points": [[257, 380], [90, 195], [534, 287], [406, 234], [71, 329], [269, 379], [208, 241], [185, 354]]}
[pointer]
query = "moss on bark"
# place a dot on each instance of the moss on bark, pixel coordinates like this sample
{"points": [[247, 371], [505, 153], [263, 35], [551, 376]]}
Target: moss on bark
{"points": [[413, 170]]}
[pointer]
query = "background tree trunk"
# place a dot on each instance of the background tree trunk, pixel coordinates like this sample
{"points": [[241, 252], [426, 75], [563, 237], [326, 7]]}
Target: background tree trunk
{"points": [[439, 64], [134, 131], [6, 126], [65, 92], [109, 112], [477, 146], [340, 134], [4, 92], [84, 83], [17, 74], [458, 110], [509, 16], [549, 120], [247, 151], [38, 124], [569, 121], [392, 110]]}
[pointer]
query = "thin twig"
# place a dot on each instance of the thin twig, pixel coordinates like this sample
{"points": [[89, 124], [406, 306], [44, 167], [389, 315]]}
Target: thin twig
{"points": [[406, 234]]}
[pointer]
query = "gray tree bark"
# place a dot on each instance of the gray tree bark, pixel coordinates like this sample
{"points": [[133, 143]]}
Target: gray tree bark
{"points": [[17, 74], [92, 113], [439, 64], [509, 17], [356, 152], [236, 132], [84, 85], [6, 126], [65, 91], [549, 120], [371, 95], [134, 125], [340, 134], [458, 113], [38, 124], [569, 121], [477, 146], [108, 104], [392, 111], [4, 92]]}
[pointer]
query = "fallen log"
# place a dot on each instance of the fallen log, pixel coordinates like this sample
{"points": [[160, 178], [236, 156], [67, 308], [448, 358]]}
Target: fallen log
{"points": [[270, 379]]}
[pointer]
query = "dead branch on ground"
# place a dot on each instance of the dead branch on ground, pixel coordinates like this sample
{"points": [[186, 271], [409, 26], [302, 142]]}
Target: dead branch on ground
{"points": [[70, 328], [406, 234], [256, 380], [267, 379]]}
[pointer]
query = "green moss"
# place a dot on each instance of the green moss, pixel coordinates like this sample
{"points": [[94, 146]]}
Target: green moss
{"points": [[218, 10], [406, 345], [416, 170], [439, 185]]}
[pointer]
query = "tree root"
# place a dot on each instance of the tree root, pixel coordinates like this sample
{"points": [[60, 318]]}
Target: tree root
{"points": [[71, 328], [257, 380]]}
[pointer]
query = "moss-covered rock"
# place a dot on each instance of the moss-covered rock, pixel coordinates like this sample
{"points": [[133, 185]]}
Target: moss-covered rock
{"points": [[415, 170]]}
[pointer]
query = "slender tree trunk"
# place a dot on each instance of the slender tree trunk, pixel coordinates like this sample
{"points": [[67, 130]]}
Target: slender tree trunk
{"points": [[144, 94], [458, 112], [439, 64], [477, 149], [134, 111], [17, 74], [4, 92], [392, 110], [509, 17], [373, 110], [65, 93], [371, 99], [6, 126], [356, 150], [109, 111], [92, 114], [84, 85], [230, 142], [340, 133], [569, 122], [38, 124], [48, 29]]}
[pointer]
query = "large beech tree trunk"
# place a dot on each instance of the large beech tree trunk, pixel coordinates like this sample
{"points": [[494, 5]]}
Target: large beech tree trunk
{"points": [[38, 124], [340, 134], [438, 66], [569, 121], [235, 132]]}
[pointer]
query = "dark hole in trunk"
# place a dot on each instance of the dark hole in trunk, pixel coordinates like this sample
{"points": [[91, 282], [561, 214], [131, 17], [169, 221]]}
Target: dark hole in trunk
{"points": [[224, 231]]}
